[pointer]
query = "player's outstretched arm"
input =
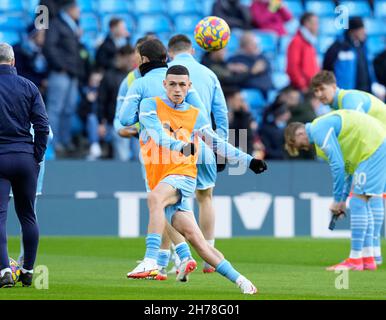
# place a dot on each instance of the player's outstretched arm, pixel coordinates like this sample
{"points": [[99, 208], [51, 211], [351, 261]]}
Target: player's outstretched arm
{"points": [[325, 138], [148, 118], [225, 149]]}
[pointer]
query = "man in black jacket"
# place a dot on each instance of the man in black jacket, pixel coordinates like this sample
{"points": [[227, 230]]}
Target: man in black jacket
{"points": [[20, 155], [125, 61], [62, 50], [116, 39]]}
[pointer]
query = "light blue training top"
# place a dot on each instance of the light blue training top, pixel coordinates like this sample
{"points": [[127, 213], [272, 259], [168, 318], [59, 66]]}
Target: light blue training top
{"points": [[151, 127]]}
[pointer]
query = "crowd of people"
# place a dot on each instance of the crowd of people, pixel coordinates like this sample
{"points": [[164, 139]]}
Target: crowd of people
{"points": [[81, 90]]}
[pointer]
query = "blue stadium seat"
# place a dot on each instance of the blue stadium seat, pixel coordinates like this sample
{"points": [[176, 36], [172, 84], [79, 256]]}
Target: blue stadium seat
{"points": [[295, 6], [207, 6], [89, 22], [320, 7], [90, 41], [280, 80], [280, 63], [157, 23], [86, 5], [374, 26], [284, 42], [11, 5], [10, 37], [129, 19], [268, 41], [380, 8], [149, 6], [324, 42], [357, 8], [12, 22], [185, 23], [31, 5], [115, 6], [327, 27], [183, 7], [292, 26], [375, 44]]}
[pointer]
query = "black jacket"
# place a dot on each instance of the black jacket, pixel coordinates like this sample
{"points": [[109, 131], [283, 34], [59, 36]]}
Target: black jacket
{"points": [[105, 54], [25, 65], [233, 12], [20, 105], [273, 140], [62, 49], [380, 67], [108, 92]]}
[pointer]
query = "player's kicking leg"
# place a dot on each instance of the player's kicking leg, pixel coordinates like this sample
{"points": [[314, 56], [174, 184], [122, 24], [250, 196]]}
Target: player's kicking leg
{"points": [[185, 223], [162, 196]]}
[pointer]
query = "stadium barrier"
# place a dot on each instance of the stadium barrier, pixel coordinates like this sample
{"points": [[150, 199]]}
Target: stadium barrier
{"points": [[108, 198]]}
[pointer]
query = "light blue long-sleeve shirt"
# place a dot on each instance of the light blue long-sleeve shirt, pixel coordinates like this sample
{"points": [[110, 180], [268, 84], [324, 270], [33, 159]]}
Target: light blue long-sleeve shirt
{"points": [[123, 89], [151, 85], [151, 127], [324, 134], [209, 89]]}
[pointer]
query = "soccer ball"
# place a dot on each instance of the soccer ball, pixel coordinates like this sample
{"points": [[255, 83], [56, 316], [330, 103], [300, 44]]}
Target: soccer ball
{"points": [[212, 33], [15, 269]]}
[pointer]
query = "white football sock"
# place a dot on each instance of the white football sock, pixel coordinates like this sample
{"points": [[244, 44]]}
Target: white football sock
{"points": [[4, 271]]}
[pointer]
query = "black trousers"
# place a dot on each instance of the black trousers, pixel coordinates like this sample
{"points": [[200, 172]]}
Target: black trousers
{"points": [[19, 171]]}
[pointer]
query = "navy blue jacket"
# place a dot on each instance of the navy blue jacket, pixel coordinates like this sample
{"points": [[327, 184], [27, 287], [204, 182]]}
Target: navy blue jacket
{"points": [[20, 106]]}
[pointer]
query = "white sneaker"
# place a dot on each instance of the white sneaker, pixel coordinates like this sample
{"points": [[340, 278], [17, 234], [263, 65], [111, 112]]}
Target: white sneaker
{"points": [[246, 286], [95, 152], [187, 266], [147, 269], [174, 258]]}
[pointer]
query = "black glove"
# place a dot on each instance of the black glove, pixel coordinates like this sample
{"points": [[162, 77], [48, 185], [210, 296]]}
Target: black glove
{"points": [[189, 149], [258, 166]]}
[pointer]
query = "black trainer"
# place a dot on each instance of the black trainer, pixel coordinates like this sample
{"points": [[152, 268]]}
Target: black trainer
{"points": [[6, 281], [26, 279]]}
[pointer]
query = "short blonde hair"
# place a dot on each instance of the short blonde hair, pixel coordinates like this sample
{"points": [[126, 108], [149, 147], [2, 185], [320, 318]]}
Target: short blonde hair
{"points": [[289, 136]]}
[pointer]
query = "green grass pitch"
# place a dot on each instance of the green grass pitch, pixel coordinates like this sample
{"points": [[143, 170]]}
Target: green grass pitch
{"points": [[95, 268]]}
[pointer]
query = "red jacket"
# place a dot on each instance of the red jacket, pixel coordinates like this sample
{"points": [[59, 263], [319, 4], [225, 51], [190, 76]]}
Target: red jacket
{"points": [[302, 62], [264, 19]]}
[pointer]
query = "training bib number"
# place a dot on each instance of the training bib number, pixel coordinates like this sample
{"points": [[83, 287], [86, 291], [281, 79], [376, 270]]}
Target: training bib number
{"points": [[360, 179]]}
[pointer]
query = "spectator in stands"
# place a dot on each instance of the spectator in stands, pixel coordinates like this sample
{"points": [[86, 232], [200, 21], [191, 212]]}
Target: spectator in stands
{"points": [[240, 120], [53, 6], [87, 111], [30, 61], [347, 58], [233, 12], [250, 58], [270, 15], [230, 75], [302, 59], [125, 62], [272, 133], [380, 67], [62, 50], [117, 38]]}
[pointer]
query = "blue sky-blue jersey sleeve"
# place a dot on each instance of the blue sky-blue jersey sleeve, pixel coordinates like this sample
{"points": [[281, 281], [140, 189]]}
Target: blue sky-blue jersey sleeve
{"points": [[128, 115], [219, 145], [123, 88], [325, 138]]}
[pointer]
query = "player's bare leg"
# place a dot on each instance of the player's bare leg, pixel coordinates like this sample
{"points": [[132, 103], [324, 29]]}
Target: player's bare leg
{"points": [[185, 223], [160, 197], [206, 219]]}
